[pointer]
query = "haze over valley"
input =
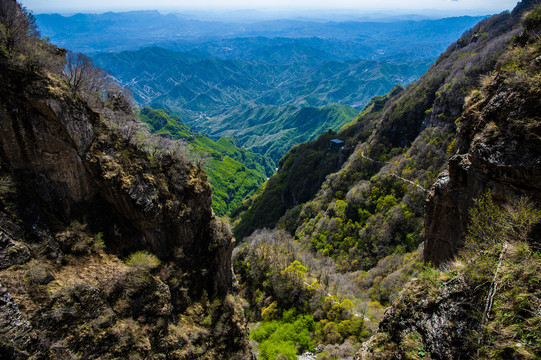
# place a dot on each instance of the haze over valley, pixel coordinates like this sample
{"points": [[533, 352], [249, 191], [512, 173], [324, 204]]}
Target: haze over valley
{"points": [[268, 84]]}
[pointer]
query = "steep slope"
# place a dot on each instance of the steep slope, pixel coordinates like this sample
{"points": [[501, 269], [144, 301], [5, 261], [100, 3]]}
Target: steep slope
{"points": [[369, 215], [499, 147], [483, 305], [83, 188], [483, 301], [311, 161], [405, 135], [233, 172]]}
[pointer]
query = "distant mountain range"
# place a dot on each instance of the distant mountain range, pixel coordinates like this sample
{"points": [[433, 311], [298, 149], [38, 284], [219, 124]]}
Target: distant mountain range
{"points": [[269, 83], [114, 32], [260, 102], [294, 75]]}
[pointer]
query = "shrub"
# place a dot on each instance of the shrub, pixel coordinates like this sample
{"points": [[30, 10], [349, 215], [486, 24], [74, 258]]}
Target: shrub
{"points": [[532, 23], [38, 273], [270, 312], [98, 244], [143, 260], [490, 227], [6, 185], [284, 339]]}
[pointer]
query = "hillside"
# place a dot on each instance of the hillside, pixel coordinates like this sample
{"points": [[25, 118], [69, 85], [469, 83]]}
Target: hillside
{"points": [[109, 247], [406, 133], [486, 301], [233, 172], [272, 130], [472, 117]]}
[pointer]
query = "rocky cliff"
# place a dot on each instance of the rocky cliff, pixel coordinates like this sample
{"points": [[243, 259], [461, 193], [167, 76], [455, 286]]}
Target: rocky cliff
{"points": [[499, 146], [109, 245]]}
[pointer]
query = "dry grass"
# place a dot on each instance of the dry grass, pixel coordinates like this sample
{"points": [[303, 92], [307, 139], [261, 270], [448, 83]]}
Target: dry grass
{"points": [[94, 270], [91, 270]]}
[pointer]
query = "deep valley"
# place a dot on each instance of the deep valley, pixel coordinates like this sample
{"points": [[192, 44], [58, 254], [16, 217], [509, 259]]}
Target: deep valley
{"points": [[293, 189]]}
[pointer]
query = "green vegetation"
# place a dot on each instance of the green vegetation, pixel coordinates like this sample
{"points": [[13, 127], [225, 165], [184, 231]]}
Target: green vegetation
{"points": [[495, 278], [272, 130], [310, 162], [357, 224], [290, 291], [233, 172], [143, 260], [357, 221], [286, 338], [75, 239]]}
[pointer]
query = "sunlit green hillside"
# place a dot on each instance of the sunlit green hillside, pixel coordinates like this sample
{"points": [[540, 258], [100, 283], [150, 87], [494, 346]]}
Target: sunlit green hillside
{"points": [[233, 172]]}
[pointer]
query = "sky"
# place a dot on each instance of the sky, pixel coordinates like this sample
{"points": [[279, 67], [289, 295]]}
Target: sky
{"points": [[469, 7]]}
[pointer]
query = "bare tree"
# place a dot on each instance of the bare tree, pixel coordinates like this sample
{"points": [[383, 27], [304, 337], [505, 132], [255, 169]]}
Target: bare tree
{"points": [[79, 71]]}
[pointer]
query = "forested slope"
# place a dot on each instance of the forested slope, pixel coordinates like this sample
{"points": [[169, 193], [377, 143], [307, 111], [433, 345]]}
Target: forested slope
{"points": [[405, 135], [367, 225], [485, 302]]}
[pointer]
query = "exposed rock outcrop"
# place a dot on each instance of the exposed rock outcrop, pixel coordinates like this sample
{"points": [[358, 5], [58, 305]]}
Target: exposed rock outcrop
{"points": [[86, 188], [499, 151], [423, 324], [14, 326], [75, 167]]}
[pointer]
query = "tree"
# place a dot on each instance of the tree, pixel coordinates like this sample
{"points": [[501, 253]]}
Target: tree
{"points": [[17, 25], [80, 73]]}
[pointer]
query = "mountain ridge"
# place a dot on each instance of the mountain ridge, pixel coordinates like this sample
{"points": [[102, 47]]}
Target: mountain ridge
{"points": [[100, 32]]}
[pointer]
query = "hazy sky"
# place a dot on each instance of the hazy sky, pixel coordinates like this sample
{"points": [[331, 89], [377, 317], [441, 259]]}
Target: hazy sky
{"points": [[453, 6]]}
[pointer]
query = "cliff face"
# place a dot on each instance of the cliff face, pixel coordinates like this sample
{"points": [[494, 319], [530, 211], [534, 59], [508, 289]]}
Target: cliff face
{"points": [[108, 243], [480, 229], [75, 167], [499, 150]]}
